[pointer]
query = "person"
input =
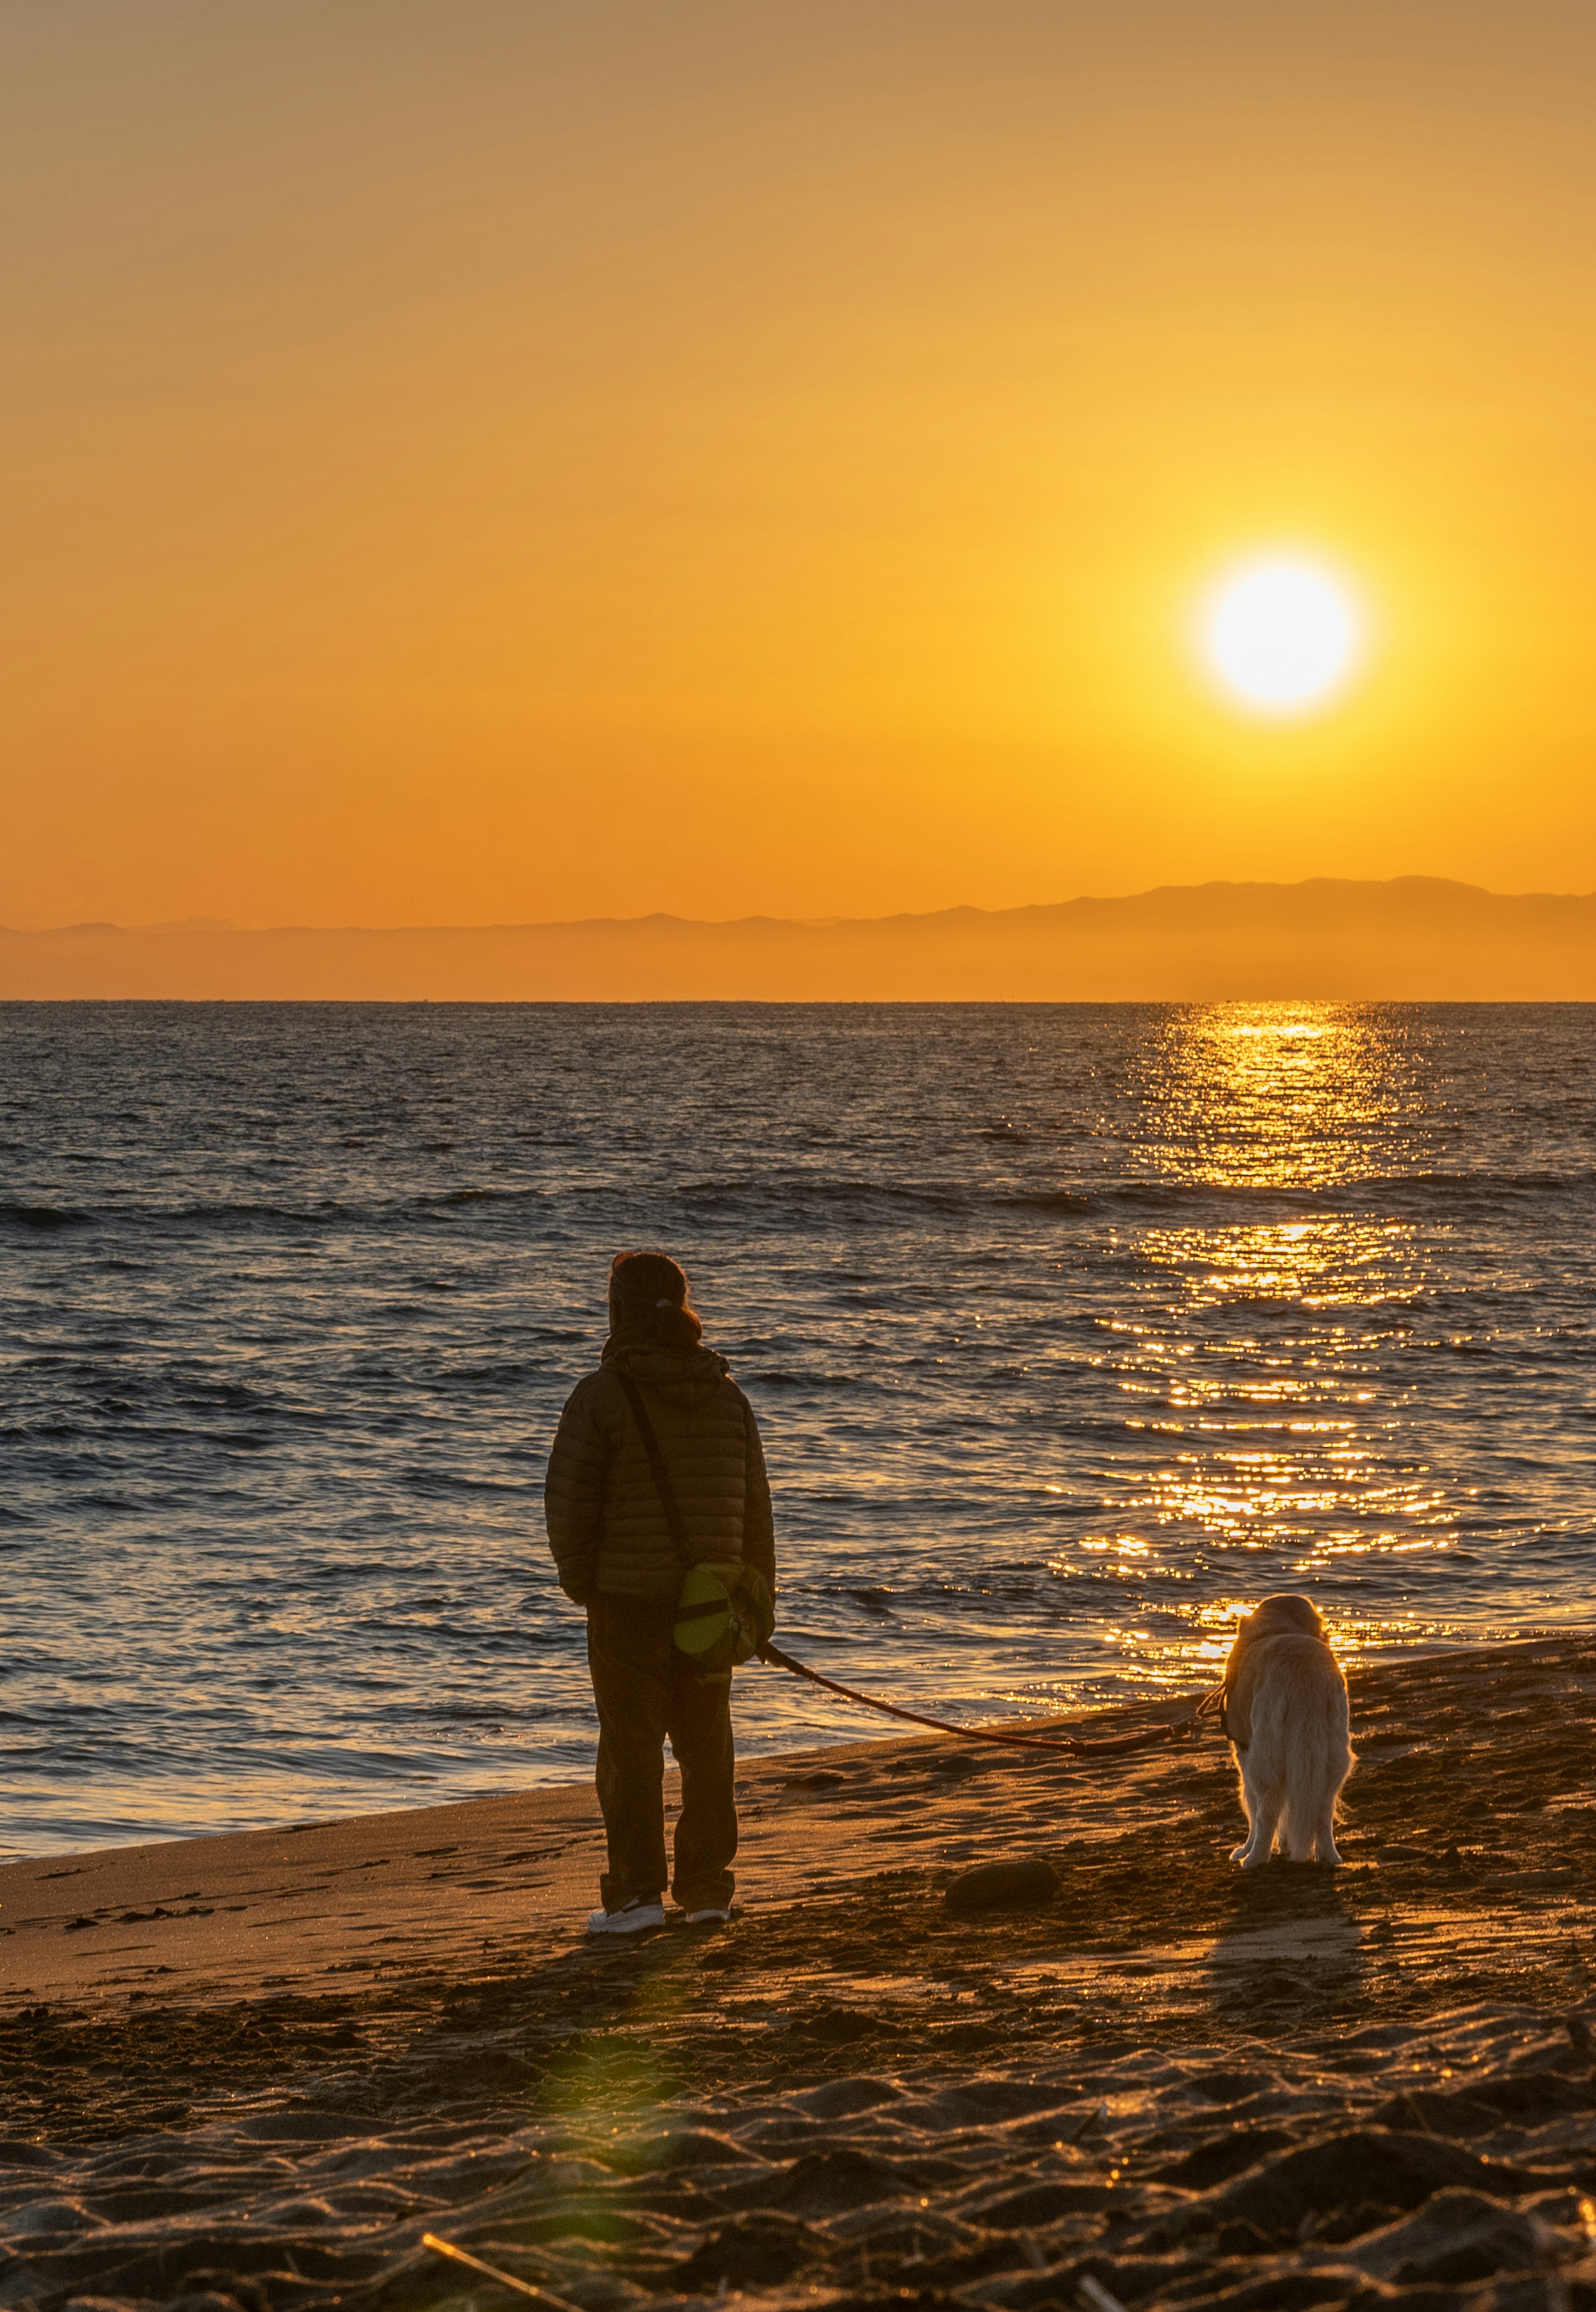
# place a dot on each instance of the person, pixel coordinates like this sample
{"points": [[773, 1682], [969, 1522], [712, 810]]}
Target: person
{"points": [[614, 1554]]}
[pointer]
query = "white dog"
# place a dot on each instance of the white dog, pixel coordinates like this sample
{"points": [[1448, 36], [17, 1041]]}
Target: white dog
{"points": [[1285, 1713]]}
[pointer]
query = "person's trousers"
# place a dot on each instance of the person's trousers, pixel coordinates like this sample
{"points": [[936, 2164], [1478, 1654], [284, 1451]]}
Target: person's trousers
{"points": [[646, 1690]]}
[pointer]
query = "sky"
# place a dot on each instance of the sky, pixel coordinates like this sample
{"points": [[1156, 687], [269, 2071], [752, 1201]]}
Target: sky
{"points": [[510, 460]]}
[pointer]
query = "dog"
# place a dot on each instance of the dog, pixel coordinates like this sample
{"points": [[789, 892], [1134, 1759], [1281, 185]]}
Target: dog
{"points": [[1285, 1713]]}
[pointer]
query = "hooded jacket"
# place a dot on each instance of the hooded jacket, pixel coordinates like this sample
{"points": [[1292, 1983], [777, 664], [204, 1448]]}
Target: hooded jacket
{"points": [[606, 1526]]}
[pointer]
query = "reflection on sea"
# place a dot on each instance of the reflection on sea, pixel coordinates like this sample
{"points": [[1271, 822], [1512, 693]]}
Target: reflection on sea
{"points": [[1278, 1095], [1249, 1343]]}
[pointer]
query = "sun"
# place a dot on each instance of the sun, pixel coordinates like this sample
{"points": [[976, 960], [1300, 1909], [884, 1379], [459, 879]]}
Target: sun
{"points": [[1281, 635]]}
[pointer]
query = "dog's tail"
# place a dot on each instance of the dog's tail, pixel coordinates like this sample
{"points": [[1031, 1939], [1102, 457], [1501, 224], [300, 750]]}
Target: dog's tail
{"points": [[1300, 1723]]}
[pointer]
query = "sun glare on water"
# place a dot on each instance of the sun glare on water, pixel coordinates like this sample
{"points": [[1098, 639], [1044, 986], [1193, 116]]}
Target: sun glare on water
{"points": [[1281, 636]]}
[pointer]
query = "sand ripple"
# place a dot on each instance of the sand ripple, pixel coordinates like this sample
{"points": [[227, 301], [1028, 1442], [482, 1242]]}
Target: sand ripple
{"points": [[1147, 2170]]}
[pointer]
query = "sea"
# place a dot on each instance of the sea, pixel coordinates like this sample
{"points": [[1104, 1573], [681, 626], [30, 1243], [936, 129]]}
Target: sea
{"points": [[1072, 1330]]}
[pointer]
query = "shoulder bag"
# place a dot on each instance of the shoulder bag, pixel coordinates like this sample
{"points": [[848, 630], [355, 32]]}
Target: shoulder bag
{"points": [[725, 1614]]}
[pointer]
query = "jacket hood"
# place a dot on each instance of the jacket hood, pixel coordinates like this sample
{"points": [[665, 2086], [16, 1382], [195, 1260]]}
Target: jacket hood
{"points": [[675, 1377]]}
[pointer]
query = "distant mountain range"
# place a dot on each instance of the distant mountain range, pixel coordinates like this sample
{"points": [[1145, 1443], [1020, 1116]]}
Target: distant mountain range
{"points": [[1416, 937]]}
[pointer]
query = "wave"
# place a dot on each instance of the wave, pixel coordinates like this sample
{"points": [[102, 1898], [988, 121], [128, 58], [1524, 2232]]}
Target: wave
{"points": [[1354, 1192], [810, 1189], [453, 1196], [773, 1195], [1152, 1196]]}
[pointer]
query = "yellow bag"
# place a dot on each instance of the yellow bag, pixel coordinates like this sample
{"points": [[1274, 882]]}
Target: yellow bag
{"points": [[725, 1612]]}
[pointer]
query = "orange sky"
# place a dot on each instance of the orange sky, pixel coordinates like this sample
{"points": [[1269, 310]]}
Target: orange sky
{"points": [[481, 460]]}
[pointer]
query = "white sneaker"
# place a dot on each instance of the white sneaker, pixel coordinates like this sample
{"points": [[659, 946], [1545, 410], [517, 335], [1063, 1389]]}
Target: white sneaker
{"points": [[713, 1916], [629, 1919]]}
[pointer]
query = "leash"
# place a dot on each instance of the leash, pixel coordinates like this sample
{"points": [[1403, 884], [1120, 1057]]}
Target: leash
{"points": [[1075, 1745], [1216, 1704]]}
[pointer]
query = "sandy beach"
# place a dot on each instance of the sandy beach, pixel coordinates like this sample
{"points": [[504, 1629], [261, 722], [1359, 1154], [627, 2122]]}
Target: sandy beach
{"points": [[253, 2070]]}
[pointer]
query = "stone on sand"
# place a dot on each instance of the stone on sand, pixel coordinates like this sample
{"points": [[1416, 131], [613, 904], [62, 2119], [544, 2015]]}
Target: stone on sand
{"points": [[1002, 1886]]}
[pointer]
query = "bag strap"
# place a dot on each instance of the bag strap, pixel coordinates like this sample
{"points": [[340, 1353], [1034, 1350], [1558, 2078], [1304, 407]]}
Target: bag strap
{"points": [[662, 1475]]}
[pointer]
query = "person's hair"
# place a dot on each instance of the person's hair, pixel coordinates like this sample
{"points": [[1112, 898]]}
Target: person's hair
{"points": [[648, 1293]]}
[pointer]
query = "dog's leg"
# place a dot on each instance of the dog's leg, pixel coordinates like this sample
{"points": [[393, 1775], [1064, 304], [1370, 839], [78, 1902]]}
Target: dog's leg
{"points": [[1244, 1792], [1339, 1766], [1262, 1808], [1265, 1823]]}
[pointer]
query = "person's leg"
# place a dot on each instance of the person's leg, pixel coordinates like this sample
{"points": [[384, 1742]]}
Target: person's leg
{"points": [[706, 1842], [629, 1653]]}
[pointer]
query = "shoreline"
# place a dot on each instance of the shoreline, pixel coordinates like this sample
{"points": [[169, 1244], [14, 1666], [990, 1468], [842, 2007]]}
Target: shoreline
{"points": [[234, 1932], [314, 2044], [1101, 1716]]}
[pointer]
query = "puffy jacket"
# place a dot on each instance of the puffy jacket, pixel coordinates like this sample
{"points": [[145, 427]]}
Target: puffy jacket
{"points": [[605, 1525]]}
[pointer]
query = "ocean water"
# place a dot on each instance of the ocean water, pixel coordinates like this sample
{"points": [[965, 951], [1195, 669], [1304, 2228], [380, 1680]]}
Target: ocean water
{"points": [[1072, 1330]]}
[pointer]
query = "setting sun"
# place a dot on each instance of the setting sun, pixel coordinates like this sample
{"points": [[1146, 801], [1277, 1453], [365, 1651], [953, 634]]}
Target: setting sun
{"points": [[1281, 636]]}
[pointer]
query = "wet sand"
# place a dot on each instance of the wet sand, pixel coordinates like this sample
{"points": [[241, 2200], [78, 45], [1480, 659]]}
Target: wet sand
{"points": [[251, 2072]]}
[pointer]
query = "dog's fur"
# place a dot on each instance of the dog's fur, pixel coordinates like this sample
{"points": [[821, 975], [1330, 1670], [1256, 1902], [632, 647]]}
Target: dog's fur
{"points": [[1286, 1711]]}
